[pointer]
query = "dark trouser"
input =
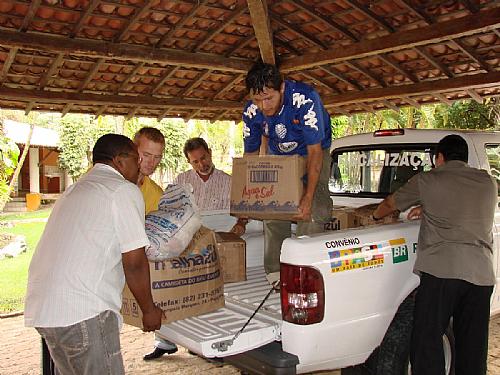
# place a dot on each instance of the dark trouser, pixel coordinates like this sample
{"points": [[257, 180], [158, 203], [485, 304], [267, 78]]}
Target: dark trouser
{"points": [[437, 301], [276, 231]]}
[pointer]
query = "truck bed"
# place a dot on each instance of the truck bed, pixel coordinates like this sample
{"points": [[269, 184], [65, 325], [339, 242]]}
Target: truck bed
{"points": [[210, 334]]}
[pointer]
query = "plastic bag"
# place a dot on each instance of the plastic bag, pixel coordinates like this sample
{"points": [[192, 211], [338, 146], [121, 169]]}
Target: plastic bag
{"points": [[173, 225]]}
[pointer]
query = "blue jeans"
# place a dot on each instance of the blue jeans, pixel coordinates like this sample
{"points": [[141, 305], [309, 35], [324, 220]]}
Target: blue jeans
{"points": [[90, 347]]}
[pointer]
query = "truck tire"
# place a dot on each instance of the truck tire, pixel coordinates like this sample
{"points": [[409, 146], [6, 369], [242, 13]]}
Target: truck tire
{"points": [[392, 357]]}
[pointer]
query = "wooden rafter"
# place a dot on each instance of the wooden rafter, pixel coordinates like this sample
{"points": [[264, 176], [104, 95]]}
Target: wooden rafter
{"points": [[386, 59], [29, 15], [66, 109], [131, 113], [236, 13], [366, 72], [342, 77], [317, 15], [262, 28], [168, 73], [28, 108], [54, 67], [221, 116], [91, 74], [108, 50], [139, 13], [229, 85], [433, 61], [78, 26], [456, 28], [202, 77], [321, 81], [411, 101], [389, 105], [421, 88], [472, 5], [132, 74], [7, 63], [312, 39], [443, 99], [192, 115], [420, 14], [474, 95], [100, 111], [470, 52], [181, 23], [371, 15], [241, 44]]}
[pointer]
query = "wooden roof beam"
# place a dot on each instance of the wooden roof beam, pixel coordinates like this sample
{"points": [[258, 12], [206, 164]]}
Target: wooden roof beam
{"points": [[470, 52], [54, 67], [192, 115], [411, 101], [371, 15], [66, 109], [320, 81], [472, 5], [443, 99], [239, 45], [422, 15], [312, 39], [474, 95], [229, 85], [433, 61], [169, 73], [181, 22], [221, 116], [259, 13], [366, 72], [101, 110], [108, 50], [236, 13], [395, 65], [91, 74], [334, 25], [132, 74], [7, 63], [389, 105], [342, 77], [87, 99], [139, 13], [29, 15], [84, 15], [28, 108], [480, 22], [482, 80], [131, 113], [203, 76]]}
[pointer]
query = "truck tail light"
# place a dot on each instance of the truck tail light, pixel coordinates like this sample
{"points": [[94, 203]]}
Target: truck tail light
{"points": [[388, 132], [302, 294]]}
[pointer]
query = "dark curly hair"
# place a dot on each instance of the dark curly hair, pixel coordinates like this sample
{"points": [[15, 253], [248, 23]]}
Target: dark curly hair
{"points": [[263, 75], [453, 147]]}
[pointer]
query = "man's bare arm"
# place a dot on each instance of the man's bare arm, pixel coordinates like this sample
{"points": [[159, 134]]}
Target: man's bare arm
{"points": [[136, 268], [385, 208], [313, 167]]}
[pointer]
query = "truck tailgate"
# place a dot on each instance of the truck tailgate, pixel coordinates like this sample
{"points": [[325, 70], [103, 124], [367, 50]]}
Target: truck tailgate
{"points": [[211, 334]]}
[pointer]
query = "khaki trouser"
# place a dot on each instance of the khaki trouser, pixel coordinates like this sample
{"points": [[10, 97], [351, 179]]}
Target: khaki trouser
{"points": [[275, 231]]}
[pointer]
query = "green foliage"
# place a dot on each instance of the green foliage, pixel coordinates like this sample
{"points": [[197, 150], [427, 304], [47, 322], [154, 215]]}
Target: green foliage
{"points": [[9, 155], [465, 114], [77, 136]]}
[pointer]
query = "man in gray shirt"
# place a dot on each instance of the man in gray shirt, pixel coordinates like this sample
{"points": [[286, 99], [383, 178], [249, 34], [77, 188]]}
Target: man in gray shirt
{"points": [[455, 249]]}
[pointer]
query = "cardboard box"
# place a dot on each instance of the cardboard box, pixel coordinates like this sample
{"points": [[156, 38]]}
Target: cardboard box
{"points": [[267, 187], [232, 255], [364, 216], [342, 218], [188, 285]]}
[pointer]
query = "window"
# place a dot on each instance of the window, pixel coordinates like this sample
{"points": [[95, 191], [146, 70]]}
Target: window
{"points": [[377, 171], [493, 155]]}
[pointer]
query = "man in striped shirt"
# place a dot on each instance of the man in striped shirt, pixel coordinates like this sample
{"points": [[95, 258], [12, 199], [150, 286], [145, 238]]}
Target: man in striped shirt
{"points": [[211, 186]]}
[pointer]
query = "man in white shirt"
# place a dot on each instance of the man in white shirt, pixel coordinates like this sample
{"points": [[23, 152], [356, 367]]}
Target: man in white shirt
{"points": [[93, 242], [211, 186]]}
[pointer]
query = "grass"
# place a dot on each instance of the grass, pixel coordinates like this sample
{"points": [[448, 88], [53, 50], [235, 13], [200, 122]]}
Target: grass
{"points": [[42, 213], [14, 271]]}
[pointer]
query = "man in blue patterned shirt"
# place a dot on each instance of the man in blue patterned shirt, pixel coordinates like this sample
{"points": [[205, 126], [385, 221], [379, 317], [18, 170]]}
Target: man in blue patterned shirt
{"points": [[288, 118]]}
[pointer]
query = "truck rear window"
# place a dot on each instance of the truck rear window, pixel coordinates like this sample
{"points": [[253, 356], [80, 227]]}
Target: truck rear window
{"points": [[377, 171]]}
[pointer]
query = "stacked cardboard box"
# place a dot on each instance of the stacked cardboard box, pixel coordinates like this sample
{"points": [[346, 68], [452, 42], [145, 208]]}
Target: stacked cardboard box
{"points": [[267, 187], [188, 285], [232, 255], [342, 218], [365, 216]]}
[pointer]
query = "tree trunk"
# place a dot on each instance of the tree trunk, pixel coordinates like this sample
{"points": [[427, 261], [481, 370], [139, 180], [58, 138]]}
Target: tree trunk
{"points": [[15, 176]]}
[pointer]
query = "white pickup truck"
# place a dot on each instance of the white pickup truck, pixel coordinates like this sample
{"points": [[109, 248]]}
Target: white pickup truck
{"points": [[345, 296]]}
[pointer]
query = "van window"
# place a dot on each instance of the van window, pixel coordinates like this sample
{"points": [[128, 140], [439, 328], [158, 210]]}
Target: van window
{"points": [[376, 172], [493, 154]]}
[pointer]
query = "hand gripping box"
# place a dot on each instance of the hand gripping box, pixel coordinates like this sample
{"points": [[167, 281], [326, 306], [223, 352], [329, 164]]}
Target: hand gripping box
{"points": [[267, 187], [188, 285], [232, 255]]}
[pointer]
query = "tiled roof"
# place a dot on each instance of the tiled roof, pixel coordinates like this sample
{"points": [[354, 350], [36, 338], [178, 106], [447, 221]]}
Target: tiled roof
{"points": [[188, 58]]}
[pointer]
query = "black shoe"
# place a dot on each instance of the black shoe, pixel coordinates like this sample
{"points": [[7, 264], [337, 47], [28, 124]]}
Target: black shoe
{"points": [[157, 353]]}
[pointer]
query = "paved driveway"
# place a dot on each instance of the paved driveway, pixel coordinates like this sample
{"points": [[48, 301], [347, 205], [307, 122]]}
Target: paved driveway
{"points": [[20, 353]]}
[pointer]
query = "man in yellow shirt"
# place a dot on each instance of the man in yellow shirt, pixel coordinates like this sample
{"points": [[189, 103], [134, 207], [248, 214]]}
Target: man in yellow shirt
{"points": [[150, 146]]}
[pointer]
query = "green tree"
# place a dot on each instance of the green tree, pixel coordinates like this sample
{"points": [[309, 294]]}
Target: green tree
{"points": [[9, 154]]}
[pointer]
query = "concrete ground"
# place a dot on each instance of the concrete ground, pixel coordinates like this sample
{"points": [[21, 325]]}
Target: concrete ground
{"points": [[20, 353]]}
